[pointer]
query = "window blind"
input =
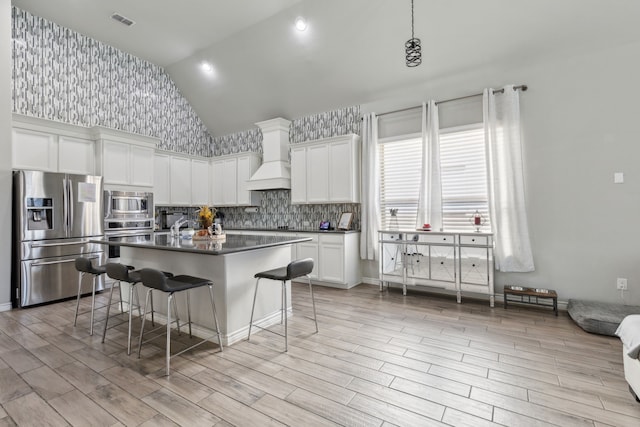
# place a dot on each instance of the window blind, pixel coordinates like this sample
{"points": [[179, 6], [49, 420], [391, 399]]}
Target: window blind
{"points": [[463, 169], [400, 181], [463, 175]]}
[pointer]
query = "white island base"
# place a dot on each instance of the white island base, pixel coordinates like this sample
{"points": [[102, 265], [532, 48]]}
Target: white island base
{"points": [[232, 277]]}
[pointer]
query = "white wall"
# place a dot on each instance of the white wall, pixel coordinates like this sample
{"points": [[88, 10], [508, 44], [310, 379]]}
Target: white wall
{"points": [[580, 118], [5, 159]]}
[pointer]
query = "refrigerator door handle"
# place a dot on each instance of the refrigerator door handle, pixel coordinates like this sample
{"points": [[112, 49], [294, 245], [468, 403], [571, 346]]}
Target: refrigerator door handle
{"points": [[55, 262], [65, 207], [49, 245], [71, 202]]}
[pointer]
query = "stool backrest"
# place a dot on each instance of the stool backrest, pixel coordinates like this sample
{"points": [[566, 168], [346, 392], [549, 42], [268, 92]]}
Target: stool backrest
{"points": [[118, 271], [299, 267], [155, 279]]}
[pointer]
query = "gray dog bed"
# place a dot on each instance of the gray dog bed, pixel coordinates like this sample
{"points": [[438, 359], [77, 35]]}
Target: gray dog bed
{"points": [[599, 317]]}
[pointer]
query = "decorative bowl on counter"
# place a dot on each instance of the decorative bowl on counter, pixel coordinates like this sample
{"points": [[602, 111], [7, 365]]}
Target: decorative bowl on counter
{"points": [[187, 233]]}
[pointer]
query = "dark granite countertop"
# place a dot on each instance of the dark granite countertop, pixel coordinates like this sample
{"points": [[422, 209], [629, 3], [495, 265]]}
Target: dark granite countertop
{"points": [[232, 243]]}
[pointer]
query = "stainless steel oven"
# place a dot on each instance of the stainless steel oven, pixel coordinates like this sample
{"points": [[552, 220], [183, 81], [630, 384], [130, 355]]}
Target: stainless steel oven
{"points": [[128, 205], [128, 216]]}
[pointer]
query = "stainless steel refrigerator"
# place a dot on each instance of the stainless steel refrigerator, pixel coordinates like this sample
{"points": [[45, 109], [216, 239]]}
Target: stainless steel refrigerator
{"points": [[54, 217]]}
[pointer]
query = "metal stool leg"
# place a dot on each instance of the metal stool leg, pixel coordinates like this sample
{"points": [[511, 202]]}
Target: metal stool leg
{"points": [[144, 316], [313, 302], [253, 307], [215, 317], [131, 287], [153, 322], [75, 319], [284, 313], [93, 302], [106, 321], [168, 350], [189, 313], [175, 311]]}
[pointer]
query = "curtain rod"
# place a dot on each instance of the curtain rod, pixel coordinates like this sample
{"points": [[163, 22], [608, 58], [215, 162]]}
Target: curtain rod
{"points": [[519, 87]]}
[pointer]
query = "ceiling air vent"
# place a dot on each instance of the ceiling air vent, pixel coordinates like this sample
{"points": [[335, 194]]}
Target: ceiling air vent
{"points": [[122, 19]]}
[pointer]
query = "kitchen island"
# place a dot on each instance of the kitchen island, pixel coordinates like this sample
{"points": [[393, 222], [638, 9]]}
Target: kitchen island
{"points": [[230, 264]]}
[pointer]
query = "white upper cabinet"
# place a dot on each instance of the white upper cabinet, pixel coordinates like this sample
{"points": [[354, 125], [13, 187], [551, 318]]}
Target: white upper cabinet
{"points": [[229, 176], [326, 170], [180, 180], [39, 144], [200, 182], [161, 179], [125, 160]]}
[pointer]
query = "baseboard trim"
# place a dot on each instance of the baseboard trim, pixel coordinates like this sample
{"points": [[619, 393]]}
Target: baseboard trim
{"points": [[5, 307]]}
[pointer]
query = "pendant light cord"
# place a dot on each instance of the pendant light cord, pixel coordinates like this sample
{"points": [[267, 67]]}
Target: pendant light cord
{"points": [[412, 36]]}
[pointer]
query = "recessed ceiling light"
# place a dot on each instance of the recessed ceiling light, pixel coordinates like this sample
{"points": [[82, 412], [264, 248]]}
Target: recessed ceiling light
{"points": [[206, 67], [301, 23]]}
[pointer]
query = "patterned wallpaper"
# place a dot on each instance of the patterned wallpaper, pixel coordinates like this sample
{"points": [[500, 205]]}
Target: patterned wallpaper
{"points": [[276, 208], [240, 142], [62, 75]]}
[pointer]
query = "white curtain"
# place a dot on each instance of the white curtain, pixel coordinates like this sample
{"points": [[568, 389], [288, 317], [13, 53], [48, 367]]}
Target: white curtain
{"points": [[506, 181], [370, 186], [430, 199]]}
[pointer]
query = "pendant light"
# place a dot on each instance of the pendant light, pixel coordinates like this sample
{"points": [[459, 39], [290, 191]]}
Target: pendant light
{"points": [[412, 47]]}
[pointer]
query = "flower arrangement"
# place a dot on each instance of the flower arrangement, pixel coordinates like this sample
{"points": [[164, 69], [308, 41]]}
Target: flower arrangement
{"points": [[205, 216]]}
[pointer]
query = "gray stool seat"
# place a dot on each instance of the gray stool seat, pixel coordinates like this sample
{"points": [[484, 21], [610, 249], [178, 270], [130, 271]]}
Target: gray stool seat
{"points": [[85, 266], [295, 269], [158, 280]]}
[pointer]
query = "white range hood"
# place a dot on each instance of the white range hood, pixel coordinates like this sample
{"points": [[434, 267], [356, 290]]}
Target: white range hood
{"points": [[275, 172]]}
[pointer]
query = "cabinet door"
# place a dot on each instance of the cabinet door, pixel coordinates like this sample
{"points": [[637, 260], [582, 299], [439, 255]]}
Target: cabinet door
{"points": [[199, 182], [318, 174], [299, 175], [115, 162], [247, 165], [76, 156], [341, 173], [229, 182], [217, 183], [34, 150], [332, 262], [180, 181], [141, 166], [309, 250], [474, 265], [161, 179]]}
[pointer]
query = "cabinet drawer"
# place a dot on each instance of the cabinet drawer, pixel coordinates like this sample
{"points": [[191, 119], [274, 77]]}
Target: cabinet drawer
{"points": [[391, 237], [445, 239], [332, 239], [314, 237], [474, 240]]}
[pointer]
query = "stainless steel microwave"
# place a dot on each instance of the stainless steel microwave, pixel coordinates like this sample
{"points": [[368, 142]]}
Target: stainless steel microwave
{"points": [[128, 205]]}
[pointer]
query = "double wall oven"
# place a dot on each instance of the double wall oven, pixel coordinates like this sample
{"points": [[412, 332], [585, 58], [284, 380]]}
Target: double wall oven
{"points": [[128, 217]]}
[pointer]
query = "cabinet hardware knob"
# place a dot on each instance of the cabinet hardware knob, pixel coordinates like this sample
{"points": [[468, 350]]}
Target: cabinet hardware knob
{"points": [[441, 262], [473, 265], [473, 240]]}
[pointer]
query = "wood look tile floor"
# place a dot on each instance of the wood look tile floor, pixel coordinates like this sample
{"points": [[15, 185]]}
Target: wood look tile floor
{"points": [[380, 359]]}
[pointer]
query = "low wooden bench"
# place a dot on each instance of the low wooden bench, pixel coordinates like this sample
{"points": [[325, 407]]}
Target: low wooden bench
{"points": [[532, 296]]}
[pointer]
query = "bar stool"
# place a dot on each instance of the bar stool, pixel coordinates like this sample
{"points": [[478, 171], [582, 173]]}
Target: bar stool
{"points": [[157, 280], [123, 273], [295, 269], [84, 266]]}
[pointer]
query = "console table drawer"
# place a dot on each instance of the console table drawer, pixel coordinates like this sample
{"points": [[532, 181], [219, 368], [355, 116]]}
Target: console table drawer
{"points": [[472, 240], [445, 239]]}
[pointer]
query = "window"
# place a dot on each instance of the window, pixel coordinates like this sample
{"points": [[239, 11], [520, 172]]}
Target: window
{"points": [[463, 174]]}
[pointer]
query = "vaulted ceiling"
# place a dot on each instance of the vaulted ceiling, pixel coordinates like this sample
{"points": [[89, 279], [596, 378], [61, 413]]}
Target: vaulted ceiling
{"points": [[352, 52]]}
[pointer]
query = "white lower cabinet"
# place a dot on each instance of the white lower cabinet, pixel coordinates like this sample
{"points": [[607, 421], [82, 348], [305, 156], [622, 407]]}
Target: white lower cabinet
{"points": [[336, 256], [309, 250]]}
